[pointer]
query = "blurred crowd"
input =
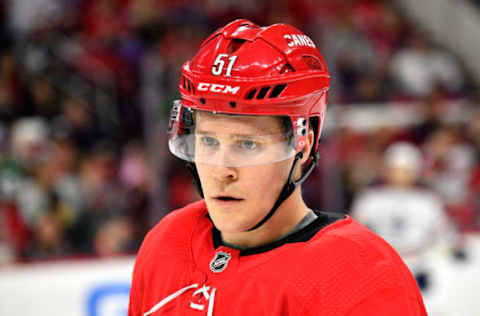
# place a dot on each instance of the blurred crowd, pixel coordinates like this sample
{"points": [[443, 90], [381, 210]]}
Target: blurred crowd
{"points": [[86, 85]]}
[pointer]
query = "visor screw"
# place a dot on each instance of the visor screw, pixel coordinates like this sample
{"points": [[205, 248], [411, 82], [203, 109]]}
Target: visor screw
{"points": [[301, 131], [233, 104], [301, 122], [202, 100]]}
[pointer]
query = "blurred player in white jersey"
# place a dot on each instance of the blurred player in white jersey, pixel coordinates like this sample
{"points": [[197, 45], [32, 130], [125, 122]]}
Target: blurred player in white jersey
{"points": [[410, 218]]}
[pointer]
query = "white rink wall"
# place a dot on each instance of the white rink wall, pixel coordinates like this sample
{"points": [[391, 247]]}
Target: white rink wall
{"points": [[73, 288], [454, 284], [100, 287]]}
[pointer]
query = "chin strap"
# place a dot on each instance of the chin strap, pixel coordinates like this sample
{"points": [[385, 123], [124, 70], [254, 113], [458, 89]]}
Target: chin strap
{"points": [[287, 189], [196, 179], [289, 186]]}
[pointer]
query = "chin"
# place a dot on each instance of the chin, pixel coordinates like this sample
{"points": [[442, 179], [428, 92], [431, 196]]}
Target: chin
{"points": [[227, 224], [235, 219]]}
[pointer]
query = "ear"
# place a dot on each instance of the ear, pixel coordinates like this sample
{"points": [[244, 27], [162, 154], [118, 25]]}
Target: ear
{"points": [[308, 147]]}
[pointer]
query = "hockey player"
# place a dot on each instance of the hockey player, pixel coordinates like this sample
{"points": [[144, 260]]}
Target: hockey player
{"points": [[248, 124], [410, 218]]}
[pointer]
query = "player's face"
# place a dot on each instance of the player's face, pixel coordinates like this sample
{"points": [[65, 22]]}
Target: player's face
{"points": [[400, 176], [239, 197]]}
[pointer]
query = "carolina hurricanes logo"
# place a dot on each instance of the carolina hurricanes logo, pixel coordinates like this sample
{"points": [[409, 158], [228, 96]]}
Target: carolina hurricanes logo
{"points": [[298, 40], [219, 263]]}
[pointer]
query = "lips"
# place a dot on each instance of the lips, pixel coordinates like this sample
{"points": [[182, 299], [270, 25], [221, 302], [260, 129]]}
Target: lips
{"points": [[227, 198]]}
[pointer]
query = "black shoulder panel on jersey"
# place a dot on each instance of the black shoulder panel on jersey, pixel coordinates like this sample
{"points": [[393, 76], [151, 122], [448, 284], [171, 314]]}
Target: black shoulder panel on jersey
{"points": [[324, 219]]}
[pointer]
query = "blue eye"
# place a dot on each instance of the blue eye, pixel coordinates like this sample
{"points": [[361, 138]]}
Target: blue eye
{"points": [[209, 141], [247, 145]]}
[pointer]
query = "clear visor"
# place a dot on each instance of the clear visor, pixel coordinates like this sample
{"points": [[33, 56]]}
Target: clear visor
{"points": [[229, 140]]}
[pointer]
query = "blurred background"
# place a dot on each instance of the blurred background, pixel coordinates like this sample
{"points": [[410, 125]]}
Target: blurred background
{"points": [[85, 172]]}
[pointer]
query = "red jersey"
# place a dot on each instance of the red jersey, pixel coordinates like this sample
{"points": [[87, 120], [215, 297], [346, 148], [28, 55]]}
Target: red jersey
{"points": [[333, 266]]}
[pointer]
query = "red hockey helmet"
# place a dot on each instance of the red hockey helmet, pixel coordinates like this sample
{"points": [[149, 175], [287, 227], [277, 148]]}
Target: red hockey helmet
{"points": [[246, 69]]}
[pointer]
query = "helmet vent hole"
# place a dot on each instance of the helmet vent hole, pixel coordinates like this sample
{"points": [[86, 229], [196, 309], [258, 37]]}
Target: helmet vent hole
{"points": [[235, 44], [262, 93], [287, 68], [277, 90], [251, 94], [189, 86], [312, 62]]}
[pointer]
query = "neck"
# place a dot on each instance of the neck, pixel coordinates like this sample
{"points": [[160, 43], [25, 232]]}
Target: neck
{"points": [[288, 214]]}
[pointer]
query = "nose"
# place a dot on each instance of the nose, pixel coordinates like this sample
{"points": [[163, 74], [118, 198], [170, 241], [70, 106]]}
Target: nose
{"points": [[223, 169], [225, 174]]}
